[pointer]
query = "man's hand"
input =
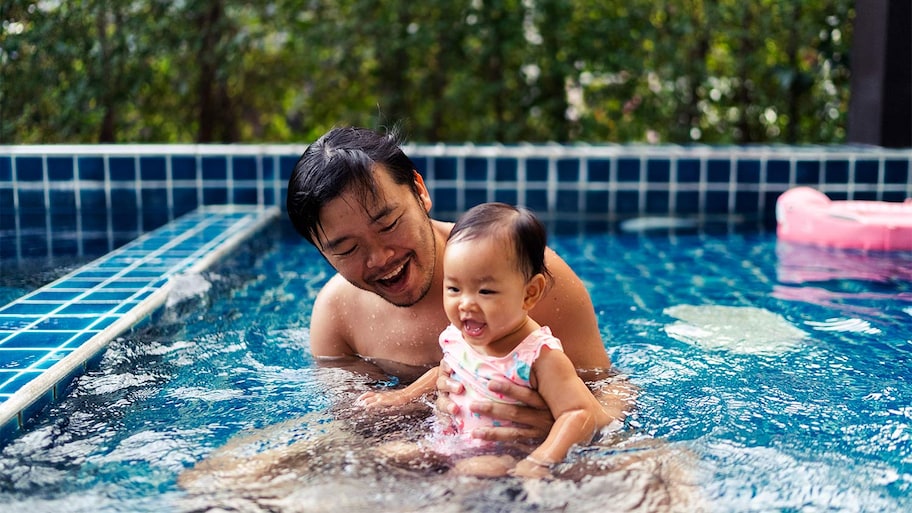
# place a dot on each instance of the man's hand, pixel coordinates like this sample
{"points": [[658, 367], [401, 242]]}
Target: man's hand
{"points": [[531, 421], [446, 386]]}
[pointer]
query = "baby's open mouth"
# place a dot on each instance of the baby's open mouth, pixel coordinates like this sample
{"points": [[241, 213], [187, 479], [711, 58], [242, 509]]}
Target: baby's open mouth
{"points": [[472, 328]]}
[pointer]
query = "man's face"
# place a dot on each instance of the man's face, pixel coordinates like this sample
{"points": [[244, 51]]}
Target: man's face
{"points": [[386, 246]]}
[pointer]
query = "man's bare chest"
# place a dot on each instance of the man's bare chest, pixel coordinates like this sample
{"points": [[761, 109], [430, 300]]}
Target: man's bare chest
{"points": [[404, 335]]}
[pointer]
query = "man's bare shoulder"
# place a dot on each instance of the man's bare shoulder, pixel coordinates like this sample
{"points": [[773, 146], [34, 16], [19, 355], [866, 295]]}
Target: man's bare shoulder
{"points": [[331, 331], [340, 295], [336, 289]]}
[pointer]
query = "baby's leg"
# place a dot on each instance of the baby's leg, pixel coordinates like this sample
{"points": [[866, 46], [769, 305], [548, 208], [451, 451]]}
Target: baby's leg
{"points": [[487, 465], [411, 455]]}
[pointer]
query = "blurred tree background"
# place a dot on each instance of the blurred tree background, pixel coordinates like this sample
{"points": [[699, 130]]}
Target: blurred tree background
{"points": [[662, 71]]}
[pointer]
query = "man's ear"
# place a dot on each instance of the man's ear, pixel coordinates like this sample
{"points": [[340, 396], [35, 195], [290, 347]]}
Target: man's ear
{"points": [[535, 290], [423, 195]]}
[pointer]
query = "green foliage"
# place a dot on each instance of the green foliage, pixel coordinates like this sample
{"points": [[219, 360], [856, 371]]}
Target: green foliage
{"points": [[679, 71]]}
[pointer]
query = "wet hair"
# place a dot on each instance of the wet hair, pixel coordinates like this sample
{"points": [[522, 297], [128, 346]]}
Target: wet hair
{"points": [[343, 159], [516, 224]]}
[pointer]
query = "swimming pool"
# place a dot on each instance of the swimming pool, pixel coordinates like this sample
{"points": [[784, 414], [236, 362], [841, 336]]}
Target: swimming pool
{"points": [[773, 378]]}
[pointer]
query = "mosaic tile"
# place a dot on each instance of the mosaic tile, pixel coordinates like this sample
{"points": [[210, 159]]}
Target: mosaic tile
{"points": [[61, 322], [6, 168], [60, 169]]}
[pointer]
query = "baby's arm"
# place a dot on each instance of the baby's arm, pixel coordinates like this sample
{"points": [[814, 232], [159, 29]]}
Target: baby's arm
{"points": [[578, 414], [426, 383]]}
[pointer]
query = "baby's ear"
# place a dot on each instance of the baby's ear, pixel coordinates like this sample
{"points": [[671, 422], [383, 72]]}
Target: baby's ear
{"points": [[535, 289]]}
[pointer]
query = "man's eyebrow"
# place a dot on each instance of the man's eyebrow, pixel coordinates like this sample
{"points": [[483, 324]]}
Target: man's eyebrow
{"points": [[383, 212]]}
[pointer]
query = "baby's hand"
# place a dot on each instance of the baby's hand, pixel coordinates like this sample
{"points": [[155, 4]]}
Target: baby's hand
{"points": [[378, 399]]}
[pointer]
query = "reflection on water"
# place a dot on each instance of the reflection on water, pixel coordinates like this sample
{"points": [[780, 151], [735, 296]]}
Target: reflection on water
{"points": [[801, 263], [322, 461], [181, 417], [854, 282]]}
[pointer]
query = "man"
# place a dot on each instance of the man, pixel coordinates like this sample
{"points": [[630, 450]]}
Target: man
{"points": [[359, 199]]}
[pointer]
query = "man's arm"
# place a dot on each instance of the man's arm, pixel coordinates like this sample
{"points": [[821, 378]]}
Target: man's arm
{"points": [[567, 309], [330, 333]]}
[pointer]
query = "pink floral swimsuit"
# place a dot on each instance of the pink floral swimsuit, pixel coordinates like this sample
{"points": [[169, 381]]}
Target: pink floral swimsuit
{"points": [[475, 370]]}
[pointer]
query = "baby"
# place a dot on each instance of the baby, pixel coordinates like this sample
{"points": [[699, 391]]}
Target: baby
{"points": [[494, 273]]}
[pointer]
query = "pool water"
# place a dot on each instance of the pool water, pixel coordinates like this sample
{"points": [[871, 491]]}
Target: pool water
{"points": [[772, 378]]}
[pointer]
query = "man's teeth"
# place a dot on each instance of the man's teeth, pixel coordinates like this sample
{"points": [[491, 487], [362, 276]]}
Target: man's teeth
{"points": [[393, 273]]}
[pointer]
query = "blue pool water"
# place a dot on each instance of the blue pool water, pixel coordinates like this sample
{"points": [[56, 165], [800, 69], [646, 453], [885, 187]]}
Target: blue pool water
{"points": [[772, 378]]}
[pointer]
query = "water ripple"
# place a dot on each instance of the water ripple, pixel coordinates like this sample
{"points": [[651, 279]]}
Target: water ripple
{"points": [[850, 325]]}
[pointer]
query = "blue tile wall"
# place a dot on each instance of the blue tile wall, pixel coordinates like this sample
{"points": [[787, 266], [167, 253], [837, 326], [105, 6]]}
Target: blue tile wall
{"points": [[122, 169], [78, 199], [6, 169], [183, 167], [29, 169], [476, 169], [628, 170], [214, 168], [505, 170], [599, 170]]}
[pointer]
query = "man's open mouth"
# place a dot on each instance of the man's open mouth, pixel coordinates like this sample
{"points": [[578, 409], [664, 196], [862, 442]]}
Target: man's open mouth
{"points": [[395, 276]]}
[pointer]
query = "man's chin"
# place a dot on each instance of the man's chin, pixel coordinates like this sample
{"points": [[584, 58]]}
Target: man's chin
{"points": [[403, 299], [400, 301]]}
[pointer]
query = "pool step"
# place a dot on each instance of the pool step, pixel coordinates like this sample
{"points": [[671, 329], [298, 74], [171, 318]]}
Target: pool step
{"points": [[51, 335]]}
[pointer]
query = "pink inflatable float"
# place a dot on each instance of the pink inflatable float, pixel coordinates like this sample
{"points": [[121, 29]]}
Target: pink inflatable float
{"points": [[808, 216]]}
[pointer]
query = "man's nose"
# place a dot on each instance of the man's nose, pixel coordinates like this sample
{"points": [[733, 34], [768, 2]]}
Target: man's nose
{"points": [[378, 256]]}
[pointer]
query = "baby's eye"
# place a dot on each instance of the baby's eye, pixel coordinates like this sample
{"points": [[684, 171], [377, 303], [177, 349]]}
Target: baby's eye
{"points": [[487, 291], [452, 290]]}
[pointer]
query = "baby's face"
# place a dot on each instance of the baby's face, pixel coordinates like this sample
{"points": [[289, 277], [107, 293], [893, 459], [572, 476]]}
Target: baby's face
{"points": [[484, 292]]}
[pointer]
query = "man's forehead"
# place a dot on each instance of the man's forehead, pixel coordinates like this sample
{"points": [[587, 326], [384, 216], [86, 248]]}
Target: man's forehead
{"points": [[371, 193], [373, 202]]}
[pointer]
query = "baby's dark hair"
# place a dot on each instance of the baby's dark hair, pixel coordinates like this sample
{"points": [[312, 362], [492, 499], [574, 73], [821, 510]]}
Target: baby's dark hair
{"points": [[516, 224]]}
